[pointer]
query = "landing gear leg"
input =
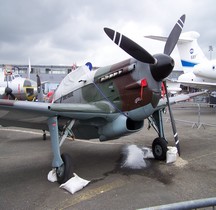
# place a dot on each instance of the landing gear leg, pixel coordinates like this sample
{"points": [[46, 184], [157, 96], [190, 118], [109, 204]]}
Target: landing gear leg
{"points": [[44, 135], [159, 145], [63, 164]]}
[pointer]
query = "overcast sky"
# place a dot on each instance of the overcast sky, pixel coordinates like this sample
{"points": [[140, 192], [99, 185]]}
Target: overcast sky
{"points": [[71, 31]]}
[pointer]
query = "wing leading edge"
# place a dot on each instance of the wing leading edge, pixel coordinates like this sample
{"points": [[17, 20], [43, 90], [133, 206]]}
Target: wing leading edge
{"points": [[175, 99], [35, 114]]}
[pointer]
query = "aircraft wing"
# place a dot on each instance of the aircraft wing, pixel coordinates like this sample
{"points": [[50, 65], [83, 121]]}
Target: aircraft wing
{"points": [[29, 114], [183, 97], [35, 114], [200, 85]]}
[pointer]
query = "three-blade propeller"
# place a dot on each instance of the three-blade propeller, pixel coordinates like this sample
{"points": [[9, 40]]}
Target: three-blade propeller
{"points": [[162, 64]]}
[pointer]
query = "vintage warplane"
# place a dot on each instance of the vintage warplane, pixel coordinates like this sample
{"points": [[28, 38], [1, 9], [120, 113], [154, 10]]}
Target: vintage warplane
{"points": [[107, 103], [13, 86]]}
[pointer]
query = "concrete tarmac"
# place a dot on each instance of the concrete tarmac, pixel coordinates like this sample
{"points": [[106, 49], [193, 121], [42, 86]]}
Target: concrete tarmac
{"points": [[25, 160]]}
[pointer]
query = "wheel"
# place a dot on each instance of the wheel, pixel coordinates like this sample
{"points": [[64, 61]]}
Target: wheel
{"points": [[159, 148], [65, 171]]}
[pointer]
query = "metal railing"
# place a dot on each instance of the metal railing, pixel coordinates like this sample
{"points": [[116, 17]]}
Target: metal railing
{"points": [[200, 110], [193, 204]]}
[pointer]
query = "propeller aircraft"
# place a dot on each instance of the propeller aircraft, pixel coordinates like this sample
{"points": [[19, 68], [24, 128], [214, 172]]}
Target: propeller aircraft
{"points": [[13, 86], [107, 103]]}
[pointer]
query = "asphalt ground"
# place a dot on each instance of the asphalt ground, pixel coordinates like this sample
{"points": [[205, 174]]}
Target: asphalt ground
{"points": [[25, 160]]}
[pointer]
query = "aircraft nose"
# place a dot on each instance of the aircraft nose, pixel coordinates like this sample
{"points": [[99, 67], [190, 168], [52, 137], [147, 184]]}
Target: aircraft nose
{"points": [[29, 89], [163, 67]]}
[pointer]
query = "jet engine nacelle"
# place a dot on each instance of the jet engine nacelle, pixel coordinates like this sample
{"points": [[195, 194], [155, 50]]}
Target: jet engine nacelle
{"points": [[119, 127]]}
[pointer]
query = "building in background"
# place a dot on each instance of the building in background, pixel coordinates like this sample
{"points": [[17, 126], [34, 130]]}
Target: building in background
{"points": [[51, 74]]}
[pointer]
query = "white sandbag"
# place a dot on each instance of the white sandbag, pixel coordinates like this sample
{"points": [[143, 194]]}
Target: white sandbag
{"points": [[147, 152], [52, 176], [74, 184], [171, 154]]}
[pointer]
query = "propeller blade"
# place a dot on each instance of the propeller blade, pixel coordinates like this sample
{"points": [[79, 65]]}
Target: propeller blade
{"points": [[129, 46], [39, 90], [174, 36], [175, 134]]}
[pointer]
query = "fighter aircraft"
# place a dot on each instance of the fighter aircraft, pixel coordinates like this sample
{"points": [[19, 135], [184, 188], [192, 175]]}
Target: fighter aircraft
{"points": [[199, 72], [13, 86], [107, 103]]}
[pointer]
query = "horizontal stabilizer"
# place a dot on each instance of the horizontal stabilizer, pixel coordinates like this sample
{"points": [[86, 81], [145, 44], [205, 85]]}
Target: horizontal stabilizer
{"points": [[184, 37]]}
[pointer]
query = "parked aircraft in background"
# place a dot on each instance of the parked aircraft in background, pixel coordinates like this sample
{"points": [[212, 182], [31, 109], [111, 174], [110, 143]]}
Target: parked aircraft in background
{"points": [[199, 72], [107, 103], [13, 86]]}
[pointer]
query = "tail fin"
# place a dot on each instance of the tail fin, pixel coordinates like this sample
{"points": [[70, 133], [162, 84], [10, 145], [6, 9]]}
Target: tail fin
{"points": [[29, 69], [189, 50]]}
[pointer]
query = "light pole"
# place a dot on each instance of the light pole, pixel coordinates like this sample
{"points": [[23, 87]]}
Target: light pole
{"points": [[210, 51]]}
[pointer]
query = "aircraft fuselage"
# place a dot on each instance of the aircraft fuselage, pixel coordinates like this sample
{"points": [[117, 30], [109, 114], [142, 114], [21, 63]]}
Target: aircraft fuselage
{"points": [[124, 86]]}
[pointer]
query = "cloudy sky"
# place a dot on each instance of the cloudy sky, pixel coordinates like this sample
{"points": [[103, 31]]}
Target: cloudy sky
{"points": [[71, 31]]}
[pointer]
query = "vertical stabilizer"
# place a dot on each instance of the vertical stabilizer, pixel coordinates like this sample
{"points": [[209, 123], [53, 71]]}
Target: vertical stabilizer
{"points": [[29, 69], [189, 50]]}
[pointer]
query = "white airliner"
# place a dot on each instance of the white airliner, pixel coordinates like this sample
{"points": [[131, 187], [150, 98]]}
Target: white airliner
{"points": [[199, 72]]}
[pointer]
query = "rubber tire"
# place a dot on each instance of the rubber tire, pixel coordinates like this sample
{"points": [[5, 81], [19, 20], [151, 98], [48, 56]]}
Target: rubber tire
{"points": [[159, 148], [68, 169]]}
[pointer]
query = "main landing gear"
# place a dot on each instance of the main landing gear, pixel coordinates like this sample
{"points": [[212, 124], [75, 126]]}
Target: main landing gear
{"points": [[159, 148], [159, 145], [65, 171], [62, 163]]}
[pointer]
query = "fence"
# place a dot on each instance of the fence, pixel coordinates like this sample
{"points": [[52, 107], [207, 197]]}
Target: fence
{"points": [[197, 114]]}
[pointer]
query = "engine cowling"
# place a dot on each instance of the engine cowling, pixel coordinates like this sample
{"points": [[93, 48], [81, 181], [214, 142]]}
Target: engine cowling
{"points": [[122, 125]]}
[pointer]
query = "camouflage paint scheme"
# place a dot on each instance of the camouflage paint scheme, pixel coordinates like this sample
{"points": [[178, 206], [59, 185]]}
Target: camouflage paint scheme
{"points": [[119, 85], [107, 103]]}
